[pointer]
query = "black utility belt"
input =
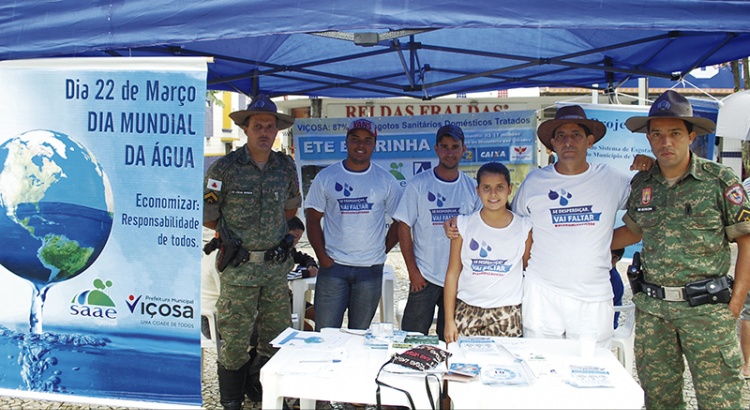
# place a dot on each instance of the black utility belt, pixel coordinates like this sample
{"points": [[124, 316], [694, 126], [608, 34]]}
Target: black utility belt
{"points": [[712, 290]]}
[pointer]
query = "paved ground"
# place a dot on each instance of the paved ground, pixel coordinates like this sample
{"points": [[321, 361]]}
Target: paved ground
{"points": [[210, 384]]}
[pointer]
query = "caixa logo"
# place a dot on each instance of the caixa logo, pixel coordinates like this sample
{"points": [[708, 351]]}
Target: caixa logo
{"points": [[498, 153], [94, 302], [156, 306]]}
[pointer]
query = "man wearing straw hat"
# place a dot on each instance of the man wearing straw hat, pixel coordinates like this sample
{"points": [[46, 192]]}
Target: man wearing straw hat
{"points": [[248, 196], [686, 209], [573, 205]]}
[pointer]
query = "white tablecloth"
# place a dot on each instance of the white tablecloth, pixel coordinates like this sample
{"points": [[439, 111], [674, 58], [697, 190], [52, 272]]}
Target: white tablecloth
{"points": [[311, 374], [551, 358]]}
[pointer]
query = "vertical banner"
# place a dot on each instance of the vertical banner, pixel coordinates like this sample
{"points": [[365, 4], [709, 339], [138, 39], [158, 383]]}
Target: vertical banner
{"points": [[405, 144], [101, 169], [619, 146]]}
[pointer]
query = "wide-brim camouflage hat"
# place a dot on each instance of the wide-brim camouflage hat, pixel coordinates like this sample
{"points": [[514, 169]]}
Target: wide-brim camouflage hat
{"points": [[671, 104], [569, 114], [262, 104]]}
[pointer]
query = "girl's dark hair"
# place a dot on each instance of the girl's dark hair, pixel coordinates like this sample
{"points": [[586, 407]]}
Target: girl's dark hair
{"points": [[494, 168], [295, 223]]}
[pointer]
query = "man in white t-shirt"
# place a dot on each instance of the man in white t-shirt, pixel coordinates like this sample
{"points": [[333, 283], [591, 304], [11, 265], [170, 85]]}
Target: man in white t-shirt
{"points": [[572, 205], [354, 195], [431, 198]]}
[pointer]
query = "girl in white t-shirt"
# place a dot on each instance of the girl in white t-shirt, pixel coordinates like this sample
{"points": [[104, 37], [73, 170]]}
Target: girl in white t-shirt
{"points": [[483, 283]]}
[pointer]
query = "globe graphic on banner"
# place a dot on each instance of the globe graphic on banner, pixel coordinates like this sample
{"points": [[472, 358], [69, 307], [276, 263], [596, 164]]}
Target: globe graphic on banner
{"points": [[56, 207]]}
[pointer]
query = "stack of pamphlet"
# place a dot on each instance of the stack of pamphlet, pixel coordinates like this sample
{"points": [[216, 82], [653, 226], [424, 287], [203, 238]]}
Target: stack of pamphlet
{"points": [[515, 373], [478, 345], [411, 340], [589, 376], [384, 340], [462, 372]]}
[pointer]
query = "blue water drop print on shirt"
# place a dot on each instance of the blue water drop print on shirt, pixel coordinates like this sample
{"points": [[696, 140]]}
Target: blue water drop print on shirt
{"points": [[485, 250], [437, 198], [346, 188], [564, 196]]}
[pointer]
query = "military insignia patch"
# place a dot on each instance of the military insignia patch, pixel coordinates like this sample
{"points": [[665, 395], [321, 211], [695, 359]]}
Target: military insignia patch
{"points": [[743, 215], [210, 198], [646, 196], [213, 185], [734, 194]]}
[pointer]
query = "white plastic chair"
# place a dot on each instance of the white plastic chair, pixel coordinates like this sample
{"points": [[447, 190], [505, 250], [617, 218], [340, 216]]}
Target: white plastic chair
{"points": [[214, 341], [624, 336]]}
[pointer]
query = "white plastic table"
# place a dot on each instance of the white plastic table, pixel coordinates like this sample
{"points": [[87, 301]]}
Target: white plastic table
{"points": [[300, 287], [548, 391], [289, 373]]}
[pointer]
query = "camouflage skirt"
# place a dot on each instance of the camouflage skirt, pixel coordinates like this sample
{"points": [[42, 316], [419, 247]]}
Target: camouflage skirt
{"points": [[504, 321]]}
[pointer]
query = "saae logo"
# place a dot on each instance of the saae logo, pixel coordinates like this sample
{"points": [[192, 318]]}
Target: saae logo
{"points": [[164, 308], [94, 302]]}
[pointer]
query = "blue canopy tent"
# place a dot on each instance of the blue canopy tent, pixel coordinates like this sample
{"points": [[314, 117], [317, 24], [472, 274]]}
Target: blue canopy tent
{"points": [[384, 48]]}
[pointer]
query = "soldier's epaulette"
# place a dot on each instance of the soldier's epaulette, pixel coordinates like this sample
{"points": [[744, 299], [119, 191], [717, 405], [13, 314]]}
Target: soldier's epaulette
{"points": [[289, 158], [638, 178], [285, 158], [221, 165], [722, 172]]}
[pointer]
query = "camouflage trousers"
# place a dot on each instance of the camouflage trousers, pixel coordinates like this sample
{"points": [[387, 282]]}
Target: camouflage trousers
{"points": [[236, 310], [707, 339], [504, 321]]}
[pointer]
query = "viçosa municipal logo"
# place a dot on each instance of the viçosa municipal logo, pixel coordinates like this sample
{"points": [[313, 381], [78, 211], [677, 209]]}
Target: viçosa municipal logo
{"points": [[152, 306], [94, 302]]}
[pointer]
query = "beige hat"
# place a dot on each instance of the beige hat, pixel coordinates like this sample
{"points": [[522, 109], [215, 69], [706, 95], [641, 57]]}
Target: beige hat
{"points": [[262, 104], [569, 114]]}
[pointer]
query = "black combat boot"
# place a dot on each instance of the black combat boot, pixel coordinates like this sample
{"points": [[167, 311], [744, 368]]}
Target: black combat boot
{"points": [[232, 387], [253, 388]]}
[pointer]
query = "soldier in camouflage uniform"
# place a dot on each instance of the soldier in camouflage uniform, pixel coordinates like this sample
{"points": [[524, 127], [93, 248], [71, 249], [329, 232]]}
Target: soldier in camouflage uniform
{"points": [[252, 192], [687, 210]]}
